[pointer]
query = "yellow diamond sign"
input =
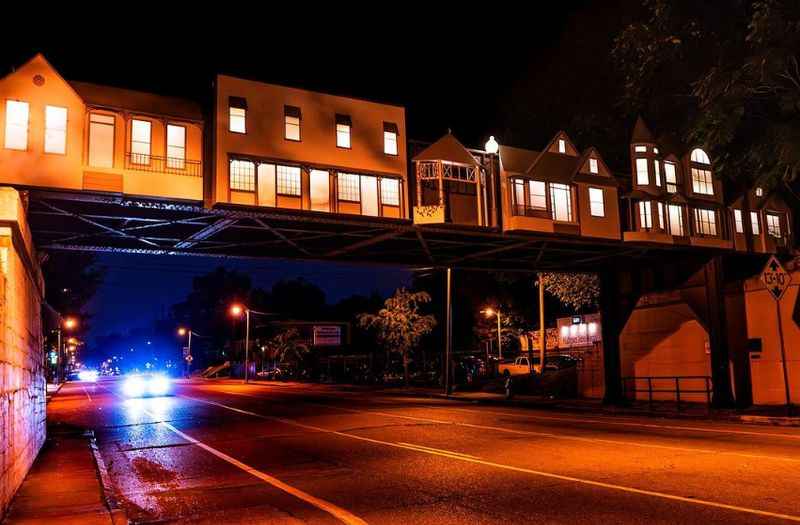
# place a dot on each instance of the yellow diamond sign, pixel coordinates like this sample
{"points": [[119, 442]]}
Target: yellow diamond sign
{"points": [[775, 278]]}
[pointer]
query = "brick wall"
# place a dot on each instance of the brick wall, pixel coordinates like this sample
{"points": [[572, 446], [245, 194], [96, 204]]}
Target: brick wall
{"points": [[22, 380]]}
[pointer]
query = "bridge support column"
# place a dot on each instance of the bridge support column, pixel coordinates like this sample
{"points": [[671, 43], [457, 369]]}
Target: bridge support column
{"points": [[718, 334], [612, 328]]}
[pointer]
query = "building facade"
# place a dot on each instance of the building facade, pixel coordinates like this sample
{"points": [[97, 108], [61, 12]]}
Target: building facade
{"points": [[65, 135], [287, 148]]}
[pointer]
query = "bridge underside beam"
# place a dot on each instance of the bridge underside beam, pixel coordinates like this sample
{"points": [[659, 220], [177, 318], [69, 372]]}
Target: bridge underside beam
{"points": [[97, 222]]}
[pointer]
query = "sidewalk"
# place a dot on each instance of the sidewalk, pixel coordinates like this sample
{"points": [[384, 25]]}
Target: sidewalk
{"points": [[63, 485]]}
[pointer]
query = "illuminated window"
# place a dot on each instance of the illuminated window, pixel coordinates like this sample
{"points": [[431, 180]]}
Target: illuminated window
{"points": [[176, 147], [655, 150], [759, 192], [676, 219], [562, 146], [140, 141], [561, 202], [657, 172], [700, 156], [537, 194], [519, 196], [16, 125], [291, 123], [670, 177], [705, 221], [597, 206], [593, 166], [101, 140], [320, 190], [55, 129], [237, 114], [755, 227], [773, 225], [390, 138], [640, 149], [348, 187], [701, 182], [737, 221], [661, 221], [343, 125], [288, 181], [645, 215], [390, 192], [642, 176], [242, 175]]}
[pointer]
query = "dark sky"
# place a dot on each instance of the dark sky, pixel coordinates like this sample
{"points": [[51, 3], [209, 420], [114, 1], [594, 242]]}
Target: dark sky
{"points": [[463, 70]]}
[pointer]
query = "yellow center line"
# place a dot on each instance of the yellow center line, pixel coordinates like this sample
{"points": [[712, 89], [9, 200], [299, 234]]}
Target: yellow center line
{"points": [[549, 475]]}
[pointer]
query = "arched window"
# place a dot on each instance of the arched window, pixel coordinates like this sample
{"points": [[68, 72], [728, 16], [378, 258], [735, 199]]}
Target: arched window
{"points": [[700, 156]]}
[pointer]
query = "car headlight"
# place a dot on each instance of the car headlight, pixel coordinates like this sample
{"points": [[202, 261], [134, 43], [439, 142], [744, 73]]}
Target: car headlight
{"points": [[158, 385], [134, 386], [87, 375]]}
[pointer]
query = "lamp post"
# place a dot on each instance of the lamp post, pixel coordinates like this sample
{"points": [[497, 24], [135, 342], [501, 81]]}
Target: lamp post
{"points": [[490, 312], [236, 311], [66, 323], [188, 357]]}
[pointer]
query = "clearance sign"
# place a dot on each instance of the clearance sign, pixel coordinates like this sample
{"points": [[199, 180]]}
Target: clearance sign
{"points": [[775, 278], [327, 335]]}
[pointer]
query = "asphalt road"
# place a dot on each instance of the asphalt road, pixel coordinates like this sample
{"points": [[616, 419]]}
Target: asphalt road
{"points": [[223, 452]]}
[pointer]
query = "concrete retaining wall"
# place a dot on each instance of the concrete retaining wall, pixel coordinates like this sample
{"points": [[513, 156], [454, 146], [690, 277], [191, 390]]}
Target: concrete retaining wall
{"points": [[22, 377]]}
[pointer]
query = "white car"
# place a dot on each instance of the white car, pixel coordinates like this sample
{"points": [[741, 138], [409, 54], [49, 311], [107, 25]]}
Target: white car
{"points": [[146, 385], [519, 367]]}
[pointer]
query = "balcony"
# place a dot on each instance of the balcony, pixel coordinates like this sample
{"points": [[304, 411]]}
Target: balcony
{"points": [[154, 164]]}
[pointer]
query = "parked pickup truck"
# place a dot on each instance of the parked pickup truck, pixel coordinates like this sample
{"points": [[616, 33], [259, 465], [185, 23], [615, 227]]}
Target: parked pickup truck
{"points": [[519, 367]]}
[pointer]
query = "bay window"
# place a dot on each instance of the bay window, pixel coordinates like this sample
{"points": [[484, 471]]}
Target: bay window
{"points": [[537, 192], [676, 219], [645, 215], [55, 130], [773, 225], [670, 177], [755, 227], [705, 221], [17, 114], [597, 207], [642, 175], [561, 202], [737, 221]]}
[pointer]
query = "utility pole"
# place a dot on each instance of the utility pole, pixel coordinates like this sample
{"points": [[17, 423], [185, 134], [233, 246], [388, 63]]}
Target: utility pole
{"points": [[448, 332], [499, 338], [542, 329], [246, 344]]}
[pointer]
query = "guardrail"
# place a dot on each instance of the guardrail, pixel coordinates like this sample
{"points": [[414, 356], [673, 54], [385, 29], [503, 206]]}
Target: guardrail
{"points": [[666, 385], [151, 163]]}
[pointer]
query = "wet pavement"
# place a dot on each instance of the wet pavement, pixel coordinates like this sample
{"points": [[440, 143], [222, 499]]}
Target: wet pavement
{"points": [[224, 452]]}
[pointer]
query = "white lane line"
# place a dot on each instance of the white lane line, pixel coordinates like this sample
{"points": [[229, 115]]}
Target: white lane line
{"points": [[550, 475], [326, 506], [550, 435], [604, 421], [87, 394], [423, 448]]}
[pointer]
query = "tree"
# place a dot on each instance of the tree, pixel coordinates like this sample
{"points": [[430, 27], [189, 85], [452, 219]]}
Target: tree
{"points": [[577, 290], [400, 324], [284, 344], [726, 75], [511, 327]]}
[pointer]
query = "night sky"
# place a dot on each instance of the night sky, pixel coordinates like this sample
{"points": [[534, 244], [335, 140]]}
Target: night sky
{"points": [[463, 70]]}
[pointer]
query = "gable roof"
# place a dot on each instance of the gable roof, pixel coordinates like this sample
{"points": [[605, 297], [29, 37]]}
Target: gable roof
{"points": [[517, 160], [554, 167], [641, 133], [447, 148], [138, 101], [38, 57]]}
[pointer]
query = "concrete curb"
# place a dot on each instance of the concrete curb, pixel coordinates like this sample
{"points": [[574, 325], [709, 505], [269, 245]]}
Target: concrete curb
{"points": [[118, 515], [781, 421]]}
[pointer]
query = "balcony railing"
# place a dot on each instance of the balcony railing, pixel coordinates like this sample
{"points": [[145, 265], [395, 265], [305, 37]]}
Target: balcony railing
{"points": [[154, 164]]}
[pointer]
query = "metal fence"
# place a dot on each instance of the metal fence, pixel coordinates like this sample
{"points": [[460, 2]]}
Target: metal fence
{"points": [[151, 163], [674, 385]]}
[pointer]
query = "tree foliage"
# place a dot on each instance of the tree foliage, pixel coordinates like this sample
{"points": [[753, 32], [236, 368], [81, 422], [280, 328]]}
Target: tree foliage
{"points": [[725, 74], [511, 327], [400, 324], [286, 344], [577, 290]]}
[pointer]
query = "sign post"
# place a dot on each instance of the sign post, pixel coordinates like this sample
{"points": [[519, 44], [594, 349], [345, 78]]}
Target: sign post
{"points": [[777, 280]]}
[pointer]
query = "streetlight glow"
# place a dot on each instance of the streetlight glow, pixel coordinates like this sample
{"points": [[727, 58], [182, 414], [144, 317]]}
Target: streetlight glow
{"points": [[492, 146], [488, 312], [70, 323], [181, 331], [236, 310]]}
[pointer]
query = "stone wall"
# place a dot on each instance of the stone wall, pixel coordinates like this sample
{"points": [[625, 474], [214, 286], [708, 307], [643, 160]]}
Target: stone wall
{"points": [[22, 372]]}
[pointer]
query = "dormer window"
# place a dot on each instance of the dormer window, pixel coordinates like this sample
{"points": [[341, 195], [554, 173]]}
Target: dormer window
{"points": [[702, 182], [642, 175], [593, 166], [759, 192], [562, 146], [640, 149]]}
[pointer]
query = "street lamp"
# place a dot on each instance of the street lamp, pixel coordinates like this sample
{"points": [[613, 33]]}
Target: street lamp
{"points": [[188, 357], [65, 323], [490, 312], [236, 310], [491, 146]]}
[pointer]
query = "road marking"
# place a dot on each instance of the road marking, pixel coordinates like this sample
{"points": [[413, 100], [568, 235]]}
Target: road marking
{"points": [[87, 394], [604, 421], [550, 435], [423, 448], [337, 512], [550, 475]]}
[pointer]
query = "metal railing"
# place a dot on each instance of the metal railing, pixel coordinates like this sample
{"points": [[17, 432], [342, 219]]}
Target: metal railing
{"points": [[665, 385], [154, 164]]}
